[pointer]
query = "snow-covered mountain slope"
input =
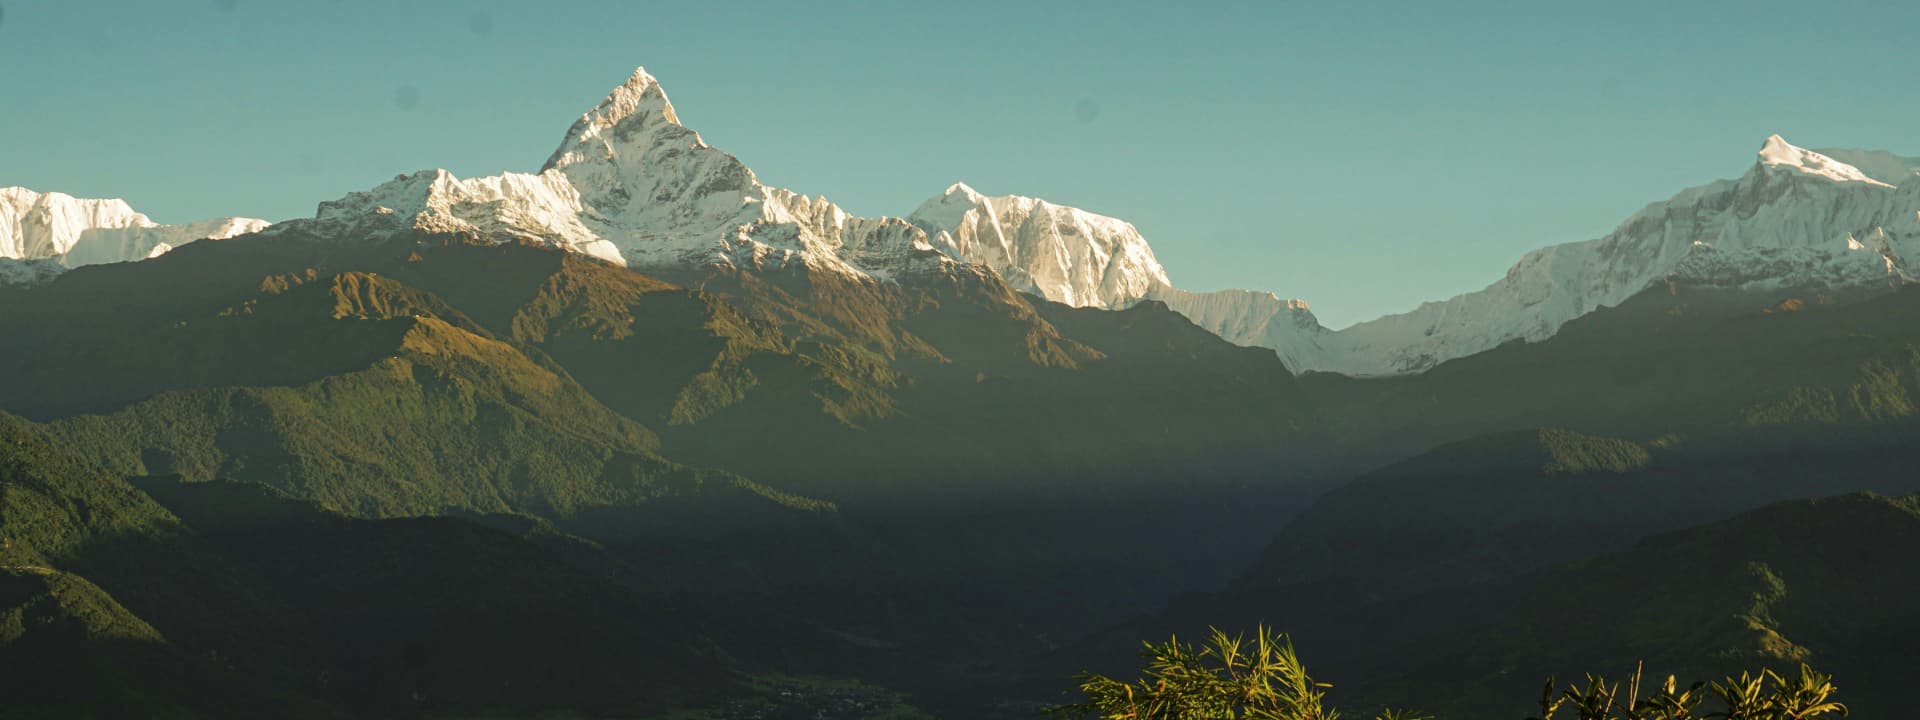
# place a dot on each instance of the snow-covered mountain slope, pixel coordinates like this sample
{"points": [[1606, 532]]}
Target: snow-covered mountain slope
{"points": [[1063, 254], [1796, 218], [1255, 318], [1880, 165], [631, 185], [42, 234], [1072, 256]]}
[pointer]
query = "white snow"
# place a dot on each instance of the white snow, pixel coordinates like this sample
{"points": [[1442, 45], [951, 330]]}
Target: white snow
{"points": [[1776, 153], [1877, 164], [1063, 254], [1257, 319], [45, 233]]}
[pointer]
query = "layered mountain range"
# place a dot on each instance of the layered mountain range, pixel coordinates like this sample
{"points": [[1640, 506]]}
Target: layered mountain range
{"points": [[631, 185], [637, 435]]}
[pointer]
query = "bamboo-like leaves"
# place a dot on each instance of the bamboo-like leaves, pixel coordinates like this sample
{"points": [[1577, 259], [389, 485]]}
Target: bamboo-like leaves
{"points": [[1769, 696], [1231, 677], [1763, 696]]}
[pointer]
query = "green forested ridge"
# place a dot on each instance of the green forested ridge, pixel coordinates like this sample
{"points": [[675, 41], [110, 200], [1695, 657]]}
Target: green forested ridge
{"points": [[52, 502], [226, 599], [1825, 581], [70, 650], [1680, 374], [69, 647], [1452, 537], [44, 600], [1671, 361], [408, 406], [450, 420], [403, 615]]}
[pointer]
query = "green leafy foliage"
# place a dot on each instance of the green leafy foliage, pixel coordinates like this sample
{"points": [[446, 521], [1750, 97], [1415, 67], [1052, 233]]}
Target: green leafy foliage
{"points": [[1766, 695], [1229, 676]]}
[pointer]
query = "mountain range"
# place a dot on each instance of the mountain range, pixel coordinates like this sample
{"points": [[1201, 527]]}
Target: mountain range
{"points": [[637, 435], [629, 184]]}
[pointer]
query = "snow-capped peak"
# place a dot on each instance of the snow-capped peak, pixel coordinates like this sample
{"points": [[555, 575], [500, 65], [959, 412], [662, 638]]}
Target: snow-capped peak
{"points": [[1777, 153], [963, 190], [631, 108], [50, 232], [631, 185], [1061, 253], [946, 210]]}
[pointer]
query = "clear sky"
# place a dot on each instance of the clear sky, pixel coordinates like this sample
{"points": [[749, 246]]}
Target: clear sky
{"points": [[1362, 156]]}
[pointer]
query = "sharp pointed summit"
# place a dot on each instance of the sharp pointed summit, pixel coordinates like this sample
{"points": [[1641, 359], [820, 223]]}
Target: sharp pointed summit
{"points": [[1774, 147], [637, 105], [962, 189], [631, 185]]}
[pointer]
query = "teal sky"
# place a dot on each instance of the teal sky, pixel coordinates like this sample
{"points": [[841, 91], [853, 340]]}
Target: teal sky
{"points": [[1362, 156]]}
